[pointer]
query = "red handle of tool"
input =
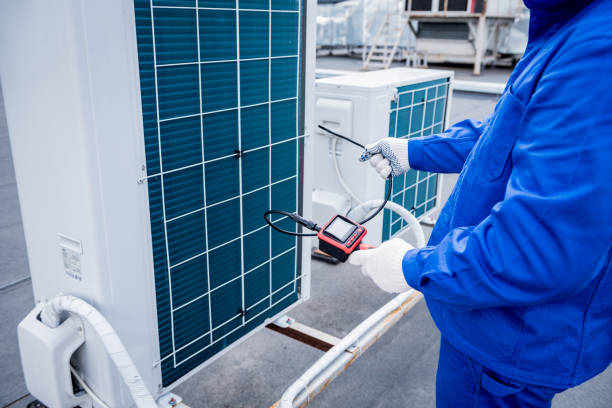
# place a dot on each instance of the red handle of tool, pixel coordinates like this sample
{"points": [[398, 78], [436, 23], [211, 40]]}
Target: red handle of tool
{"points": [[363, 247]]}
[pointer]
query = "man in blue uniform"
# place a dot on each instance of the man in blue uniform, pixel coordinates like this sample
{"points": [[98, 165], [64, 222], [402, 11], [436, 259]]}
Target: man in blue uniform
{"points": [[517, 274]]}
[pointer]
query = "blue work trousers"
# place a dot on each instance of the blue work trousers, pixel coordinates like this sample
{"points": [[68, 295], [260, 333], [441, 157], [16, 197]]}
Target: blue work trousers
{"points": [[461, 382]]}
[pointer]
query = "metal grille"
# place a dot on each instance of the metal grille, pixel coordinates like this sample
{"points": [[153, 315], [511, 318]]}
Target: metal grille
{"points": [[420, 110], [220, 88]]}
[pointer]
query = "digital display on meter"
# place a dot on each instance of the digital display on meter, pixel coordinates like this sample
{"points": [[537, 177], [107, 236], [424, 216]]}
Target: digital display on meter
{"points": [[340, 229], [340, 237]]}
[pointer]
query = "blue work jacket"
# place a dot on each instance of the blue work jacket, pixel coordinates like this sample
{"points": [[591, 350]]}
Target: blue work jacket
{"points": [[516, 274]]}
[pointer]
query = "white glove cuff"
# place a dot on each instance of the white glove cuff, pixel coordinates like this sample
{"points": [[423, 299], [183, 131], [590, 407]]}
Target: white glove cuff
{"points": [[384, 264], [400, 149], [394, 280]]}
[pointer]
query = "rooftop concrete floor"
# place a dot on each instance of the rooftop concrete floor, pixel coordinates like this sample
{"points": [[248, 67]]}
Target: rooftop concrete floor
{"points": [[397, 371]]}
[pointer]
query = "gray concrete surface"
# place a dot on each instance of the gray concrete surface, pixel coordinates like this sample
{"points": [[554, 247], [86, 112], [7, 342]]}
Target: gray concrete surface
{"points": [[16, 301], [398, 371]]}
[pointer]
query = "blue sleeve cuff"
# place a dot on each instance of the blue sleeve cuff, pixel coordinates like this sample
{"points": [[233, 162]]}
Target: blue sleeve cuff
{"points": [[410, 268], [415, 153]]}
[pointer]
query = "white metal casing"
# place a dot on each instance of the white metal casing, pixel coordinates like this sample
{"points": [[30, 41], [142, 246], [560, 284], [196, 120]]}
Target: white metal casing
{"points": [[363, 99], [71, 88]]}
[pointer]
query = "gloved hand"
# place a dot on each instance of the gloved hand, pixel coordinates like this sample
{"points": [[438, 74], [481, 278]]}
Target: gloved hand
{"points": [[384, 264], [388, 156]]}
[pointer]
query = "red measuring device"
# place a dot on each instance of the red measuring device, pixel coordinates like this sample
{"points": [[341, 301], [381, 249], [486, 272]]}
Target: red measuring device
{"points": [[341, 236]]}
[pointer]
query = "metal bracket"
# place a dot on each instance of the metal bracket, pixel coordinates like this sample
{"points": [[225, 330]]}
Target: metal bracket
{"points": [[284, 321], [142, 178], [170, 400], [396, 96], [428, 221], [311, 337]]}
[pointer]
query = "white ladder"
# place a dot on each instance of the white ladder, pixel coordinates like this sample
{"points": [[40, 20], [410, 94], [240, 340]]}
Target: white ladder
{"points": [[387, 40]]}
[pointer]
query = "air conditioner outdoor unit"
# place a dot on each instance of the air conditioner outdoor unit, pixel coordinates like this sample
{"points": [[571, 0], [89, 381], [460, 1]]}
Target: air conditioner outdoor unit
{"points": [[148, 138], [367, 106]]}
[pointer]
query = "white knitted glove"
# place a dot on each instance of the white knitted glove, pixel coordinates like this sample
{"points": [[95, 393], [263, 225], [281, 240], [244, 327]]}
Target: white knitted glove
{"points": [[388, 156], [384, 264]]}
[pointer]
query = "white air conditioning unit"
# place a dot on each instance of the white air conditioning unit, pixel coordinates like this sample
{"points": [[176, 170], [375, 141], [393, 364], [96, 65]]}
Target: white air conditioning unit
{"points": [[367, 106], [148, 140], [326, 73]]}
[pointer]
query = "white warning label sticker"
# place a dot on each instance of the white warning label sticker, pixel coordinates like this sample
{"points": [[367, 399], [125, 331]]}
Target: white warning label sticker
{"points": [[72, 264]]}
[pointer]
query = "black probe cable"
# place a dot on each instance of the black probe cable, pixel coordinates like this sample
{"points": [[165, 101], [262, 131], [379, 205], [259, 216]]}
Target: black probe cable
{"points": [[331, 132], [298, 219]]}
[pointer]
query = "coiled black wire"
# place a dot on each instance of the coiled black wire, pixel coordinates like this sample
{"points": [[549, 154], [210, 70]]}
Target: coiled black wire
{"points": [[298, 219]]}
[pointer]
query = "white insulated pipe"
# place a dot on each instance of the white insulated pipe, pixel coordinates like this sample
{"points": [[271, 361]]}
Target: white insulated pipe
{"points": [[413, 223], [346, 359], [494, 88], [343, 184], [51, 315], [365, 332], [328, 359]]}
